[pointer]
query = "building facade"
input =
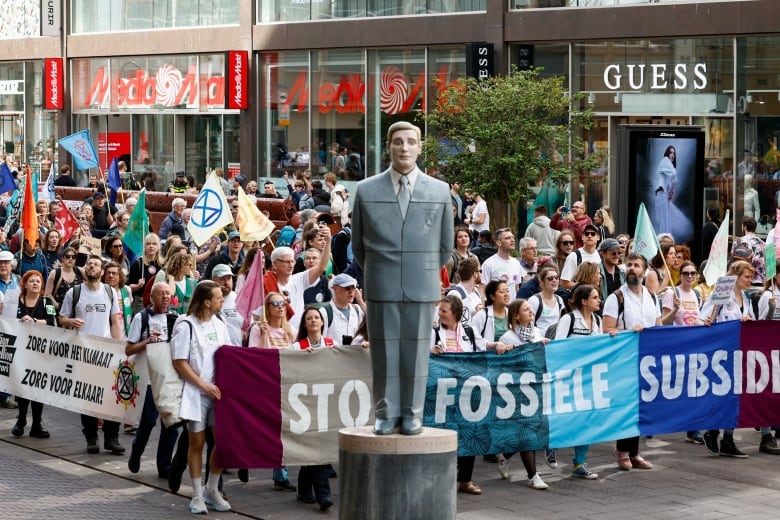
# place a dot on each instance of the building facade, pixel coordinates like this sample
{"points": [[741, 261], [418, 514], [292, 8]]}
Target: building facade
{"points": [[157, 81]]}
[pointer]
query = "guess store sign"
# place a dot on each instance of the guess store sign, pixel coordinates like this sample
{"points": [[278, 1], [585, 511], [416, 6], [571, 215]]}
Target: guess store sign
{"points": [[166, 87]]}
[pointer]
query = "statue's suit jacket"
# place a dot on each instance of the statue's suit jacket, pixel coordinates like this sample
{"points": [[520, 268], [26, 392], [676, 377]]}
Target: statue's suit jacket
{"points": [[401, 258]]}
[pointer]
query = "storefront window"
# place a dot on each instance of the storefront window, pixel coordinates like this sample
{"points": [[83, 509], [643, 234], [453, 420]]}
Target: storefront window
{"points": [[89, 16], [539, 4], [299, 10]]}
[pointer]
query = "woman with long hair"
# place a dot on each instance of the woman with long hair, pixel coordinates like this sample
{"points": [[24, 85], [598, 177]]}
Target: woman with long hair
{"points": [[51, 248], [680, 307], [602, 219], [564, 244], [546, 305], [114, 277], [460, 252], [178, 272], [144, 268], [34, 308], [657, 277], [583, 320], [521, 331], [64, 277], [450, 336], [738, 308], [196, 338], [114, 251], [272, 330], [313, 485], [492, 322]]}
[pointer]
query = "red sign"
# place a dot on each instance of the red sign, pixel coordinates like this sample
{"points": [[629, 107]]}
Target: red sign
{"points": [[237, 76], [167, 87], [112, 144], [53, 84]]}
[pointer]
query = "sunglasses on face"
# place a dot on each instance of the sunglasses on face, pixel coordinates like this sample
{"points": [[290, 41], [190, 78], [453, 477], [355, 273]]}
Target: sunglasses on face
{"points": [[551, 278], [69, 257], [589, 234], [688, 273], [567, 243], [277, 303]]}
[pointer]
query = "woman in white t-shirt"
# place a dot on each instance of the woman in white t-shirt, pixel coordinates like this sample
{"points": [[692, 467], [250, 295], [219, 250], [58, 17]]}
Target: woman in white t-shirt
{"points": [[552, 305], [681, 304], [271, 330], [450, 337]]}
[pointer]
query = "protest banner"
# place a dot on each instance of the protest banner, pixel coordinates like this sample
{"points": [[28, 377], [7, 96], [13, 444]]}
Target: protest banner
{"points": [[71, 370]]}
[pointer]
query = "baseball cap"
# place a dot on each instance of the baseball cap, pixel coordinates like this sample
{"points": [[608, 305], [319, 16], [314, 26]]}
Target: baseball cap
{"points": [[98, 195], [609, 244], [221, 270], [234, 234], [590, 226], [739, 251], [6, 256], [344, 280]]}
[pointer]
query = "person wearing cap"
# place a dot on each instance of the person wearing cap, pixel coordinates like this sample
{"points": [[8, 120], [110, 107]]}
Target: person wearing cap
{"points": [[179, 184], [231, 255], [174, 217], [10, 290], [612, 273], [222, 275], [102, 212], [238, 181], [586, 253], [343, 314], [576, 220]]}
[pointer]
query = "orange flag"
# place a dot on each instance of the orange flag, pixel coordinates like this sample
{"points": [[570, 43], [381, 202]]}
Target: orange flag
{"points": [[29, 212]]}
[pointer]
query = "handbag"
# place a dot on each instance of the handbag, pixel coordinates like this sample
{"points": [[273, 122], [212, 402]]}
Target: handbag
{"points": [[167, 384]]}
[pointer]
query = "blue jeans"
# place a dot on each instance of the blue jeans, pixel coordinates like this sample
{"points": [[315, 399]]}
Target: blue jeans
{"points": [[168, 436], [580, 454]]}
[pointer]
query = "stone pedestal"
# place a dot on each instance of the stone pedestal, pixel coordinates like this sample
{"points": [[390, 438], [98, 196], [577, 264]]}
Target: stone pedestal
{"points": [[387, 477]]}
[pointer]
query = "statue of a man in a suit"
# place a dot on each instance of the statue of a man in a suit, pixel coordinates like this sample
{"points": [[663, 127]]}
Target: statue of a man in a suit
{"points": [[402, 228]]}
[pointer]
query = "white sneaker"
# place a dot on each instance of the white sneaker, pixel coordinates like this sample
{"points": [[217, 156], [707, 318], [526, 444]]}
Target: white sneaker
{"points": [[537, 483], [503, 466], [216, 500], [198, 506]]}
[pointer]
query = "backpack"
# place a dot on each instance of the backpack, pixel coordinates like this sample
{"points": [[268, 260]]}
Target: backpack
{"points": [[466, 328], [306, 202], [286, 237], [559, 301], [170, 318], [77, 296], [550, 333], [329, 311], [455, 263], [622, 304], [755, 297]]}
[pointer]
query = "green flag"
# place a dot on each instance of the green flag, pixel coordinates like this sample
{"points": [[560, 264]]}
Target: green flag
{"points": [[138, 226], [645, 239]]}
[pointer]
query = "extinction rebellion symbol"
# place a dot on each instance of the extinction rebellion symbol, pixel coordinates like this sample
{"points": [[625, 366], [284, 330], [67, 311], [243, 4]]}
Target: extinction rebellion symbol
{"points": [[207, 209], [126, 383]]}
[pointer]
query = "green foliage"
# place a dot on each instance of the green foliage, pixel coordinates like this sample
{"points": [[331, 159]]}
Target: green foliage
{"points": [[507, 133]]}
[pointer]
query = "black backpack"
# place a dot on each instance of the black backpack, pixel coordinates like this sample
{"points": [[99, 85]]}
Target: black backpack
{"points": [[145, 315], [466, 328]]}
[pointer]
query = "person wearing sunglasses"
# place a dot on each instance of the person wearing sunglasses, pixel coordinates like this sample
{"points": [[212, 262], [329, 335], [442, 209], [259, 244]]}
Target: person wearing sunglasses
{"points": [[586, 253], [564, 245], [574, 219], [64, 277]]}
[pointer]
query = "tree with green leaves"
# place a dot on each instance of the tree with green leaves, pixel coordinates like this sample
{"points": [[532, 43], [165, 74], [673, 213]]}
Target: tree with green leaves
{"points": [[501, 136]]}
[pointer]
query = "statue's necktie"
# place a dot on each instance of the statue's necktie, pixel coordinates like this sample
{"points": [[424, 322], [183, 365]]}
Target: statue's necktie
{"points": [[403, 194]]}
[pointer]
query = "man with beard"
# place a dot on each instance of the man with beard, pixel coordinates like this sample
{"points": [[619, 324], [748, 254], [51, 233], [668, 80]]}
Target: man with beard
{"points": [[612, 275], [92, 308], [631, 307]]}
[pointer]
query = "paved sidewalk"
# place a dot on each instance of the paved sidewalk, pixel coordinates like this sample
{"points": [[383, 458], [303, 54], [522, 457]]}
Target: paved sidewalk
{"points": [[56, 478]]}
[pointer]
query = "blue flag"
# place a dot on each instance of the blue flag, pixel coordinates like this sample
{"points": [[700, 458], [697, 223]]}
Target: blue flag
{"points": [[6, 179], [81, 148], [114, 182], [35, 182], [50, 186]]}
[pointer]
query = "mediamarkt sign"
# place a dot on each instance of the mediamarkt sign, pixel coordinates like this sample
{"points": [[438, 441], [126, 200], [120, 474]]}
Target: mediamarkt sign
{"points": [[660, 76], [166, 87], [53, 84]]}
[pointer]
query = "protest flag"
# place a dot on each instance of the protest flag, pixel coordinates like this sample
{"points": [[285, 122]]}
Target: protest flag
{"points": [[252, 293], [645, 239], [6, 179], [252, 223], [210, 213], [137, 226], [64, 222], [29, 213], [114, 181], [719, 253], [80, 146]]}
